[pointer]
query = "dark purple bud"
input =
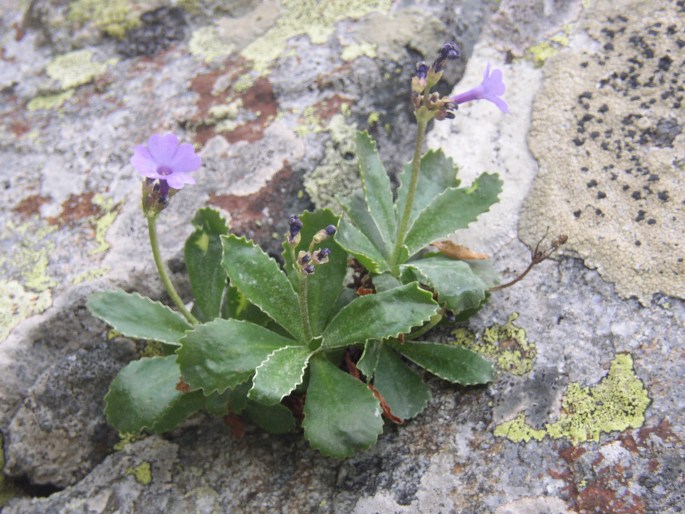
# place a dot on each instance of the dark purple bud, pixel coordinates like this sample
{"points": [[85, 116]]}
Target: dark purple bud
{"points": [[305, 258], [330, 230], [309, 269], [323, 253], [448, 52], [295, 225], [421, 70]]}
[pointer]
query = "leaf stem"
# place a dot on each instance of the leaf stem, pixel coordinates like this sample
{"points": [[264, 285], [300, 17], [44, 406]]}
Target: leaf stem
{"points": [[411, 193], [170, 289], [304, 306]]}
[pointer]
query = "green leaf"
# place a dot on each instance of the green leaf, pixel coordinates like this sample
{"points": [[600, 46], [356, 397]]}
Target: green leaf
{"points": [[376, 184], [144, 396], [485, 271], [457, 285], [325, 285], [358, 211], [437, 174], [281, 372], [385, 282], [369, 359], [453, 363], [217, 404], [341, 414], [401, 388], [137, 316], [276, 419], [379, 316], [259, 278], [452, 210], [203, 261], [358, 245], [225, 352]]}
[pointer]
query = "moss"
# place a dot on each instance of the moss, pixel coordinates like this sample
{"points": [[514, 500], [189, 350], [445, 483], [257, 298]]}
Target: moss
{"points": [[308, 17], [114, 17], [616, 403], [76, 68], [142, 473], [506, 344], [50, 101], [518, 430]]}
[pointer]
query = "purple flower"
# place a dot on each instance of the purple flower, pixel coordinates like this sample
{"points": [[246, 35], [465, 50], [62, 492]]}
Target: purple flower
{"points": [[166, 160], [490, 89]]}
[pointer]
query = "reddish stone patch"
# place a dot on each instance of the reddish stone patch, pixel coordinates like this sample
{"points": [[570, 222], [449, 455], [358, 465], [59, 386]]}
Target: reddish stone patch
{"points": [[259, 99], [662, 431], [19, 128], [628, 442], [608, 493], [75, 208], [329, 107], [30, 205], [572, 454], [247, 212]]}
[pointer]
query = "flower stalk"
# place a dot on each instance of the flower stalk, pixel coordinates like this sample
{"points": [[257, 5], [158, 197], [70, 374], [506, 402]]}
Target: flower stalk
{"points": [[161, 269]]}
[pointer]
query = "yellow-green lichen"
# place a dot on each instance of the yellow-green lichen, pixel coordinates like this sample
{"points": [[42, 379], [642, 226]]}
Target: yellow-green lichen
{"points": [[114, 17], [207, 43], [76, 68], [142, 473], [506, 344], [103, 222], [354, 51], [337, 175], [518, 430], [307, 17], [373, 118], [17, 304], [616, 403], [543, 50], [50, 101], [89, 275], [126, 439]]}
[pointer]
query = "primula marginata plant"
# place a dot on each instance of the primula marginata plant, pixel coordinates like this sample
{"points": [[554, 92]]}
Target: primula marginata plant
{"points": [[292, 346]]}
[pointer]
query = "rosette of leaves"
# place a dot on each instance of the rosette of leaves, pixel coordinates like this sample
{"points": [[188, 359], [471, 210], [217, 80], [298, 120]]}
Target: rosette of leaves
{"points": [[369, 231], [250, 354]]}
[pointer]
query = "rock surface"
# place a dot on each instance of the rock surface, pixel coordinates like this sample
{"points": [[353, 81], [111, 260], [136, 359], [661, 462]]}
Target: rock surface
{"points": [[586, 414]]}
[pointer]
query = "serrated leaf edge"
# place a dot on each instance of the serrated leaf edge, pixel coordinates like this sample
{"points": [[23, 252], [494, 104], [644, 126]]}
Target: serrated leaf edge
{"points": [[469, 190], [391, 336], [249, 241], [144, 427], [302, 371], [204, 390], [149, 300], [398, 348]]}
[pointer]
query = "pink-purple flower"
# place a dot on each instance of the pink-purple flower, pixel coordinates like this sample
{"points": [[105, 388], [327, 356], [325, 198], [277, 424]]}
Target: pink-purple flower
{"points": [[491, 89], [166, 160]]}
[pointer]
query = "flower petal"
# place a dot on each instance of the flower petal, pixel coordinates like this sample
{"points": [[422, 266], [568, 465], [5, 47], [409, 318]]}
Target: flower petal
{"points": [[163, 147], [178, 180], [185, 160], [143, 163], [500, 103], [495, 84]]}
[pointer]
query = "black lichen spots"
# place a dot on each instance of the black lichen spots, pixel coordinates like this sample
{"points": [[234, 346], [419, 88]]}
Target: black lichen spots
{"points": [[663, 196], [663, 134], [158, 30], [640, 215]]}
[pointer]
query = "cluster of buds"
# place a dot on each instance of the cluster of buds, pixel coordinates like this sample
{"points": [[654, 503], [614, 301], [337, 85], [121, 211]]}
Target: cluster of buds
{"points": [[156, 195], [307, 260], [433, 105]]}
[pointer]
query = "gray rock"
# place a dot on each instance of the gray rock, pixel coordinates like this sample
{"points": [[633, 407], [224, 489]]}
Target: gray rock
{"points": [[594, 426]]}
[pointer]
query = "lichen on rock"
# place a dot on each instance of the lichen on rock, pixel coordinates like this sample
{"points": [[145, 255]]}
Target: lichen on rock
{"points": [[616, 403]]}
